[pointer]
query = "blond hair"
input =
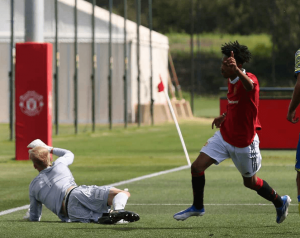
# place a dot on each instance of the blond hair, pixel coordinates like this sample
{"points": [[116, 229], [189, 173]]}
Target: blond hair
{"points": [[40, 156]]}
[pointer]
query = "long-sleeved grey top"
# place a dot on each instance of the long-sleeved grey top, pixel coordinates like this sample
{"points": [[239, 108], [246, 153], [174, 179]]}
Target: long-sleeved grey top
{"points": [[50, 186]]}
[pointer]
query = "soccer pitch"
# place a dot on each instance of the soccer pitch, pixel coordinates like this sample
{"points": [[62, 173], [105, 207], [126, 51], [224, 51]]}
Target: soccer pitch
{"points": [[107, 157]]}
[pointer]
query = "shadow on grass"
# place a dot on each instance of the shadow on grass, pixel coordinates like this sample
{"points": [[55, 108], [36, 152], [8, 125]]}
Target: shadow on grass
{"points": [[121, 228], [7, 160], [111, 227], [128, 229], [29, 222]]}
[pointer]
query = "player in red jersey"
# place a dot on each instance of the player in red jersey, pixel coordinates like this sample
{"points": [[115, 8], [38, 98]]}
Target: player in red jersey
{"points": [[237, 138]]}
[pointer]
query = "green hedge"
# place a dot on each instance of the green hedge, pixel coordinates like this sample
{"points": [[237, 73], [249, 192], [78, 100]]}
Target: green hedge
{"points": [[208, 78]]}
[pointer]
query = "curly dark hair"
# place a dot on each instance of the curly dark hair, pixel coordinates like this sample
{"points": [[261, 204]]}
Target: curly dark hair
{"points": [[241, 52]]}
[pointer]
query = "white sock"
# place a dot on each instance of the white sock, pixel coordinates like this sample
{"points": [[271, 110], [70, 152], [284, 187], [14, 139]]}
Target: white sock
{"points": [[119, 201]]}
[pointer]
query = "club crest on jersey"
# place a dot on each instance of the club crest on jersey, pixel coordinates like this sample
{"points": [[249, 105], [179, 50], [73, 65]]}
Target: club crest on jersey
{"points": [[31, 103]]}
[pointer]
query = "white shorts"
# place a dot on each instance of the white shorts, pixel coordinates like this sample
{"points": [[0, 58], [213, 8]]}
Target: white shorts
{"points": [[247, 160], [88, 203]]}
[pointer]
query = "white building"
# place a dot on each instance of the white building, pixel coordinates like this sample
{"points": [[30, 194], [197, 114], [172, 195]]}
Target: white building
{"points": [[66, 72]]}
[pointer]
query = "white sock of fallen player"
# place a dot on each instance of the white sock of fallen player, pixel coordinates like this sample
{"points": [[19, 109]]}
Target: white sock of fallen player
{"points": [[119, 201]]}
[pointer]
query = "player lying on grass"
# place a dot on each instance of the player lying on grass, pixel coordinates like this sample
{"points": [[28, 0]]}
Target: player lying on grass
{"points": [[237, 138], [56, 189]]}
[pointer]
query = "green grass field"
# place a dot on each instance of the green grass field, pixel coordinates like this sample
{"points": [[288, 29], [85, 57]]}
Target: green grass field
{"points": [[204, 106], [107, 157]]}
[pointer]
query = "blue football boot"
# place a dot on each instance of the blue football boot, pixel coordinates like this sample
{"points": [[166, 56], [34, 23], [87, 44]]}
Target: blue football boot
{"points": [[282, 212], [191, 211]]}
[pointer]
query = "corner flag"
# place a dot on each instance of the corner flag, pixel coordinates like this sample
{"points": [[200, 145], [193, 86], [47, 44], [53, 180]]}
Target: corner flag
{"points": [[160, 89]]}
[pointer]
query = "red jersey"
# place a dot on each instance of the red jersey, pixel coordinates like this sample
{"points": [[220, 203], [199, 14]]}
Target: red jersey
{"points": [[241, 123]]}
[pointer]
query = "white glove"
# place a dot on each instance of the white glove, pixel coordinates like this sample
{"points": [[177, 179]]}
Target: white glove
{"points": [[27, 215], [38, 142]]}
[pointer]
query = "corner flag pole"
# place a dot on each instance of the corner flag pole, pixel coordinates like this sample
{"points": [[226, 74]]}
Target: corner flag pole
{"points": [[160, 89]]}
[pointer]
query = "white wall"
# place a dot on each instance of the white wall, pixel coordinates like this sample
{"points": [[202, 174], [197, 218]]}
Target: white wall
{"points": [[66, 47]]}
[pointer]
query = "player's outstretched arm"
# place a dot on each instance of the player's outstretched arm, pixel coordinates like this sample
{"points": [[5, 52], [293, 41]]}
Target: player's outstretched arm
{"points": [[294, 102], [246, 81], [65, 156]]}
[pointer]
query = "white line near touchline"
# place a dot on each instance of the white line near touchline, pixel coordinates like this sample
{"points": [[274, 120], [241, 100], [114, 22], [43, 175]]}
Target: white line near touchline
{"points": [[149, 176], [141, 204], [113, 184], [14, 210]]}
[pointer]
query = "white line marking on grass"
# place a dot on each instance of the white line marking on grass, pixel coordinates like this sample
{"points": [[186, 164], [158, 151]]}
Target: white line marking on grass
{"points": [[149, 176], [113, 184], [14, 210]]}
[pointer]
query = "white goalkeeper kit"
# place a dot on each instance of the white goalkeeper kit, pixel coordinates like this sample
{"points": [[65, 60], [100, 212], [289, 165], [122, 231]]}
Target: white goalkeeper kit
{"points": [[50, 186]]}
